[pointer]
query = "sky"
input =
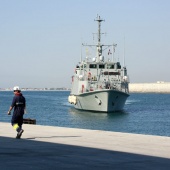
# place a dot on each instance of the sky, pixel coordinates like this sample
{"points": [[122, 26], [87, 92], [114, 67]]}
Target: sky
{"points": [[40, 40]]}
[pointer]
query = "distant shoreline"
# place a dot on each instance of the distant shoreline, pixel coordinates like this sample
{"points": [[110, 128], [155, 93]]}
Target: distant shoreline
{"points": [[34, 90], [158, 87], [37, 89]]}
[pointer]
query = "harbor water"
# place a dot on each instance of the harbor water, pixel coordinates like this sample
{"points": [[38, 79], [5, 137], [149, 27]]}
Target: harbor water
{"points": [[144, 113]]}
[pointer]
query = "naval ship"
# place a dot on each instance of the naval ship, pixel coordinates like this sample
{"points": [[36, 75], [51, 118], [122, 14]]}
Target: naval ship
{"points": [[98, 84]]}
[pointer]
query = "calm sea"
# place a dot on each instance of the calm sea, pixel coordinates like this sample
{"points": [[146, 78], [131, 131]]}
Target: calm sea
{"points": [[144, 113]]}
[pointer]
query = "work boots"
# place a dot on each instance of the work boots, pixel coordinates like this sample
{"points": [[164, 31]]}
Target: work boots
{"points": [[19, 134]]}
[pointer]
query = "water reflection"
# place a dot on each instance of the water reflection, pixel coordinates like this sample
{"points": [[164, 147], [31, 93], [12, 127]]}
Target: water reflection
{"points": [[116, 114], [98, 120], [91, 114]]}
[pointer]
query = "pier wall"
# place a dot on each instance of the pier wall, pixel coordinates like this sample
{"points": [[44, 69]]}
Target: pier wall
{"points": [[159, 87]]}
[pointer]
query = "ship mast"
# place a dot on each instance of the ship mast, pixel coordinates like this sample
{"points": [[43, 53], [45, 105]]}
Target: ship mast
{"points": [[99, 46]]}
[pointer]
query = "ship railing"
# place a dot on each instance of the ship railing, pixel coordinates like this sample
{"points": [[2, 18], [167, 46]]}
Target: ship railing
{"points": [[97, 86]]}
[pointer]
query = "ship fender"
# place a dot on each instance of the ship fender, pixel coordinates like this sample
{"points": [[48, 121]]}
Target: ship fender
{"points": [[72, 99]]}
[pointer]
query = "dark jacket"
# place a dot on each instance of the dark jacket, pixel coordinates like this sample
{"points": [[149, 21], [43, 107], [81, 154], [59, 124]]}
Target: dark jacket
{"points": [[18, 103]]}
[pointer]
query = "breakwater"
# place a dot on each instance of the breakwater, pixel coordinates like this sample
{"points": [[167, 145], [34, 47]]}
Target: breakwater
{"points": [[158, 87]]}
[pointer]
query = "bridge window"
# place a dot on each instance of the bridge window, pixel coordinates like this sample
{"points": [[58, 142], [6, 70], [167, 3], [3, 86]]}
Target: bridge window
{"points": [[101, 66], [118, 65], [93, 66], [110, 66]]}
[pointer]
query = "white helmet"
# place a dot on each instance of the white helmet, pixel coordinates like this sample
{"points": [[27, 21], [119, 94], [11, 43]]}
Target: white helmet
{"points": [[16, 88]]}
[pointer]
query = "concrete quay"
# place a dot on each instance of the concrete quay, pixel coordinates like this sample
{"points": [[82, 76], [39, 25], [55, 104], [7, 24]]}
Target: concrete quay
{"points": [[47, 147]]}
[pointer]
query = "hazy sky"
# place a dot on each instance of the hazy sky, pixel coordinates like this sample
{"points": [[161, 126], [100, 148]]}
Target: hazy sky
{"points": [[40, 40]]}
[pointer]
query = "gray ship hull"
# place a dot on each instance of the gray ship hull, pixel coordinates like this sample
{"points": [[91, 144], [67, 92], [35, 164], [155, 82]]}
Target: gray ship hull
{"points": [[102, 101]]}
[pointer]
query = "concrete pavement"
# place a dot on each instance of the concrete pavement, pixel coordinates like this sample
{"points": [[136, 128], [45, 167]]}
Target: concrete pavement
{"points": [[47, 147]]}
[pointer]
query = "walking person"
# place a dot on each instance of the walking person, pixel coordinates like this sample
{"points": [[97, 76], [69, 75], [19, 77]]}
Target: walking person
{"points": [[19, 106]]}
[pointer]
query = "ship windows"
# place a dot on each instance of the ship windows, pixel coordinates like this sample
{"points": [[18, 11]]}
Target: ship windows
{"points": [[118, 65], [110, 66], [114, 73], [101, 66], [83, 66], [111, 73], [93, 66], [106, 73]]}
